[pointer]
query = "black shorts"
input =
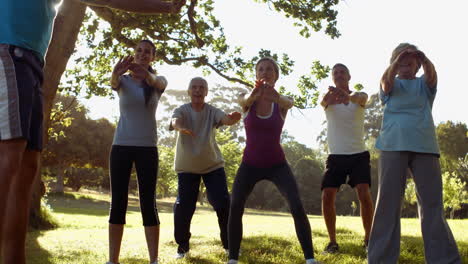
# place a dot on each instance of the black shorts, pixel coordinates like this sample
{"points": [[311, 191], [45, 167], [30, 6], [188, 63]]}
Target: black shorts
{"points": [[339, 167], [21, 113]]}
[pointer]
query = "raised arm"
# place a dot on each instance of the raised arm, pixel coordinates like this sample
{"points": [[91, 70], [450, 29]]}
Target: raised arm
{"points": [[140, 6], [429, 70], [122, 66], [386, 83]]}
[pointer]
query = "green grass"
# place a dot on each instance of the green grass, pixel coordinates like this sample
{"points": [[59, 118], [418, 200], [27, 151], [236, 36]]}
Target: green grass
{"points": [[269, 237]]}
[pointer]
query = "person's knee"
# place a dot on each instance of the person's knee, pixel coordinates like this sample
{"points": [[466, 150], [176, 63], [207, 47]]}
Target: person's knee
{"points": [[117, 216], [30, 163], [11, 160], [297, 208], [150, 218]]}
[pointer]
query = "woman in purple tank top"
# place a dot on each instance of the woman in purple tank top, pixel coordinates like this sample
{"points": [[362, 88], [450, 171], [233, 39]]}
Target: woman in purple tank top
{"points": [[264, 158]]}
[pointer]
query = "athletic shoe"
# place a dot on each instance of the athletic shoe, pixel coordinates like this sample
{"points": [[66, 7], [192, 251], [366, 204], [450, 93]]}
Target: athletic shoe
{"points": [[181, 255], [332, 248], [366, 245], [232, 261], [312, 261]]}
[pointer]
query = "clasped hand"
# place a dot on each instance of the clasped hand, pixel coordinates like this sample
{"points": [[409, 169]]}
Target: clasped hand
{"points": [[265, 91]]}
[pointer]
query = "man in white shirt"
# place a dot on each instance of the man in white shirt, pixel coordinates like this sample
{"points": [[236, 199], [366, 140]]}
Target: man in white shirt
{"points": [[348, 160]]}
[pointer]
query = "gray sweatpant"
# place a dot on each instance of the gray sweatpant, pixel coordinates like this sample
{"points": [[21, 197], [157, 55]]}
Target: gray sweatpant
{"points": [[384, 244]]}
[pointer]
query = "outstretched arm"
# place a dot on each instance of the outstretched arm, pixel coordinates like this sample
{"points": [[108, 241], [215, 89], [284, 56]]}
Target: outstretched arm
{"points": [[231, 119], [247, 99], [335, 96], [158, 82], [140, 6], [177, 125], [359, 98], [122, 66]]}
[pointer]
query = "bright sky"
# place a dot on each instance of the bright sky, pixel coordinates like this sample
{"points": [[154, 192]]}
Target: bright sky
{"points": [[370, 30]]}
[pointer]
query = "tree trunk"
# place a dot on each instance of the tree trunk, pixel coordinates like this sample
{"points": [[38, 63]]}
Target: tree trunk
{"points": [[66, 29], [58, 186]]}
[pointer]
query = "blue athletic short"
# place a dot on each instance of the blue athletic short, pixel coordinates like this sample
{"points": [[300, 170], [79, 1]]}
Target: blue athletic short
{"points": [[21, 112]]}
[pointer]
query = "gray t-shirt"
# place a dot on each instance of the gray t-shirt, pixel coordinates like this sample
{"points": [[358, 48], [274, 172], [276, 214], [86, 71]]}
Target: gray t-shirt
{"points": [[199, 154], [137, 122]]}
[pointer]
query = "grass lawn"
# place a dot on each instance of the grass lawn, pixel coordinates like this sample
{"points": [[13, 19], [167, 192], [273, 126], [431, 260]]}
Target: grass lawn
{"points": [[269, 237]]}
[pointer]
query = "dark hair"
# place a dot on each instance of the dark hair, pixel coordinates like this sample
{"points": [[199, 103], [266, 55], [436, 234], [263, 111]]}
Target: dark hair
{"points": [[149, 90], [340, 65]]}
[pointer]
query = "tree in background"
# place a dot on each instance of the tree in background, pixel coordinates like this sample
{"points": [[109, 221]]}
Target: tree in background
{"points": [[167, 177], [77, 146], [455, 192], [453, 143]]}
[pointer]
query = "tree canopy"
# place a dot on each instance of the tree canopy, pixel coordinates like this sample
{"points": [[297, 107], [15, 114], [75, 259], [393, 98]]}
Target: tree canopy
{"points": [[193, 37]]}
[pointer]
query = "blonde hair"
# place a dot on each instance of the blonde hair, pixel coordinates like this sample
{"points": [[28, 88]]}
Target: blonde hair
{"points": [[198, 79], [273, 62], [400, 48]]}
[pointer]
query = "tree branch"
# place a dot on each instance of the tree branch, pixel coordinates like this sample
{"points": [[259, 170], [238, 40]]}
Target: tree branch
{"points": [[193, 24]]}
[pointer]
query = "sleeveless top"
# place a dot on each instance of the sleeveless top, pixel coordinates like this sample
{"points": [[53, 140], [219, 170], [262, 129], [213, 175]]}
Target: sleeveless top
{"points": [[263, 149]]}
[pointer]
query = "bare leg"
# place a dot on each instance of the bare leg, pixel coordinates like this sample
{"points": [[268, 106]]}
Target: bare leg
{"points": [[115, 240], [17, 210], [329, 211], [10, 164], [152, 240], [367, 208]]}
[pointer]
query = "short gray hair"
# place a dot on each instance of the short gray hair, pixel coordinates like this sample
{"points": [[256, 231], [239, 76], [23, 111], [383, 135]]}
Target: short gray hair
{"points": [[198, 79]]}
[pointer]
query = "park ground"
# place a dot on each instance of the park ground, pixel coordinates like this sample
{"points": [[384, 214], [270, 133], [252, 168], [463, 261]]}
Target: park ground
{"points": [[269, 237]]}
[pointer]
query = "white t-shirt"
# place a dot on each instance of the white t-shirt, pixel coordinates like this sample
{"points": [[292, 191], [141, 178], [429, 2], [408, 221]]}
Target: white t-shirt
{"points": [[345, 128], [199, 154]]}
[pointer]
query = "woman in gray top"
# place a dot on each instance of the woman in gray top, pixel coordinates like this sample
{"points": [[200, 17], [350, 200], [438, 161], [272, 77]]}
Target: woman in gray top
{"points": [[135, 141]]}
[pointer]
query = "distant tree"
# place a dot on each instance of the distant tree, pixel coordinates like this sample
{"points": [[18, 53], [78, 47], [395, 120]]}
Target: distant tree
{"points": [[167, 177], [453, 143], [77, 142], [455, 193], [232, 153]]}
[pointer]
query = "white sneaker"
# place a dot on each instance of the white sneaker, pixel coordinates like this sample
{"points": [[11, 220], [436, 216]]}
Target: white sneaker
{"points": [[108, 262], [181, 255], [312, 261], [156, 262], [232, 261]]}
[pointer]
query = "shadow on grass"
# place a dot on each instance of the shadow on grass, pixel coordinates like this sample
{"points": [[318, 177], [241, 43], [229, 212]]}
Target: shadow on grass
{"points": [[261, 250], [67, 203], [257, 212], [412, 250], [34, 252]]}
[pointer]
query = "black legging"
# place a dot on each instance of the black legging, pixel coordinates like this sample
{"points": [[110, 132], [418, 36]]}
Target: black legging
{"points": [[281, 175], [146, 164]]}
